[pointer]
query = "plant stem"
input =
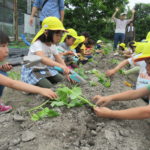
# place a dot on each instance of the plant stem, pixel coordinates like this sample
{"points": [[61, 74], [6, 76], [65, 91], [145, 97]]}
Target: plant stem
{"points": [[37, 107], [87, 101]]}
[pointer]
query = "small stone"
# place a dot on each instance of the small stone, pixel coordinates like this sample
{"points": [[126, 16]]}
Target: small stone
{"points": [[28, 136], [91, 142], [85, 148], [91, 126], [93, 132], [15, 142], [18, 118], [83, 142]]}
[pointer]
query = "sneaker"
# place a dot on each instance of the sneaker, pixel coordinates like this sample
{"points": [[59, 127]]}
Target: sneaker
{"points": [[4, 108]]}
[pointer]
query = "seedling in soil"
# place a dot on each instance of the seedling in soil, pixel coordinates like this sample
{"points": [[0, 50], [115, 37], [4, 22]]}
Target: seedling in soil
{"points": [[106, 50], [101, 77], [92, 60], [70, 98], [93, 83], [43, 113], [81, 72], [66, 97], [114, 61]]}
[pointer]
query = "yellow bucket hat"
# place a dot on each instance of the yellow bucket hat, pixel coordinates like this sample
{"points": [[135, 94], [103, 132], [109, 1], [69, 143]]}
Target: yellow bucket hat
{"points": [[99, 41], [70, 32], [145, 54], [139, 47], [49, 23], [123, 45], [148, 37], [79, 40]]}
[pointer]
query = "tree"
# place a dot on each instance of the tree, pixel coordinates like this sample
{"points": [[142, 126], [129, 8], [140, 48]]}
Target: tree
{"points": [[93, 16], [142, 20]]}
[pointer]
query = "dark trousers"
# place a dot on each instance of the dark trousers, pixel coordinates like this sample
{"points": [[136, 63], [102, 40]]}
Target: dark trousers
{"points": [[118, 38]]}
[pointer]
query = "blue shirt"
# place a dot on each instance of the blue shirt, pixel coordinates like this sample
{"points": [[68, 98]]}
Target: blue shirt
{"points": [[51, 8]]}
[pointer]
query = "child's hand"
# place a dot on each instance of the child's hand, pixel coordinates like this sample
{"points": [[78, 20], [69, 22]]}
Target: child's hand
{"points": [[102, 111], [70, 53], [66, 69], [117, 9], [101, 100], [110, 72], [48, 93], [133, 11], [6, 67]]}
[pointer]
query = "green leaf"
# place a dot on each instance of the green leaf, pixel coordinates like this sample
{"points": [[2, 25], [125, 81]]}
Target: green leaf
{"points": [[76, 91], [57, 103], [52, 113], [35, 117], [75, 103]]}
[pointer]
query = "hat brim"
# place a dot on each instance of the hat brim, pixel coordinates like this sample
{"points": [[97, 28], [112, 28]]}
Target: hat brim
{"points": [[143, 57], [41, 31]]}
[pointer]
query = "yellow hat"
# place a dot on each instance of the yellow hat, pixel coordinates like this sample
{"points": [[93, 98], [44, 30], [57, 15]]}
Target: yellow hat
{"points": [[99, 41], [145, 54], [70, 32], [139, 47], [123, 45], [148, 37], [79, 40], [49, 23]]}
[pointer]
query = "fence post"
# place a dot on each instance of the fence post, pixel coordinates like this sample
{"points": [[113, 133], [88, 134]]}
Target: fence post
{"points": [[15, 20]]}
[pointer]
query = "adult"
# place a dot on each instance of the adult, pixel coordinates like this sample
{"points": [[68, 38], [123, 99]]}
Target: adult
{"points": [[48, 8], [120, 27], [130, 33]]}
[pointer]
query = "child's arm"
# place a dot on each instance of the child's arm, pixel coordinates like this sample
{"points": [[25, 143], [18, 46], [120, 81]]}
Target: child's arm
{"points": [[47, 61], [128, 95], [118, 67], [18, 85], [132, 113]]}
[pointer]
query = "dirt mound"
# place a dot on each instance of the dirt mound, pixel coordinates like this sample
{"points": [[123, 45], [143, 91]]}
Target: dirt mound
{"points": [[76, 128]]}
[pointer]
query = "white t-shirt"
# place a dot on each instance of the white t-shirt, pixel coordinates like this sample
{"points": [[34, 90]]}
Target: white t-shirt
{"points": [[49, 51], [121, 25], [143, 79]]}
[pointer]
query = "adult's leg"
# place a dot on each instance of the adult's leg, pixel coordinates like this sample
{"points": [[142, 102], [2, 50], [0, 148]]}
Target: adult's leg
{"points": [[116, 39], [122, 37]]}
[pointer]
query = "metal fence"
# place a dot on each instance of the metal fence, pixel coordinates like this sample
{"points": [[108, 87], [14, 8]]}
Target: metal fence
{"points": [[6, 21]]}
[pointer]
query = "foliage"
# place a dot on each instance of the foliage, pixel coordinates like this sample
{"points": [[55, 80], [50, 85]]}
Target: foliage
{"points": [[45, 112], [93, 16], [81, 72], [142, 20], [114, 61], [101, 77], [70, 98], [66, 97], [14, 75]]}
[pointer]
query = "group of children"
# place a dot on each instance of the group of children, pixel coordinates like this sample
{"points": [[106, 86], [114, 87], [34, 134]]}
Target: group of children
{"points": [[58, 47]]}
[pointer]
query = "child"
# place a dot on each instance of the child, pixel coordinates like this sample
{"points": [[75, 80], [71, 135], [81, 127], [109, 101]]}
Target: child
{"points": [[44, 45], [89, 50], [99, 46], [18, 85], [64, 47], [130, 51], [132, 113]]}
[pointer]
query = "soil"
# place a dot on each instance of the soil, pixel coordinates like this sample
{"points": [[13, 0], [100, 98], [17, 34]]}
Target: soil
{"points": [[76, 128]]}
